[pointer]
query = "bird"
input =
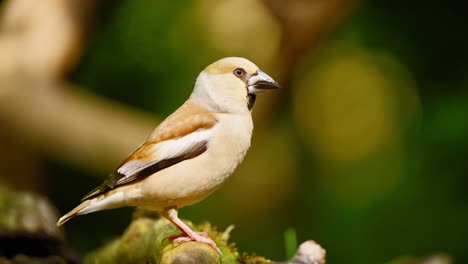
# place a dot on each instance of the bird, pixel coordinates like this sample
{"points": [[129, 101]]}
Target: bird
{"points": [[191, 153]]}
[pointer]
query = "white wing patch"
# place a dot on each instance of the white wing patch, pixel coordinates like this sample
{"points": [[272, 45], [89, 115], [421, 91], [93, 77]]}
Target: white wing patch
{"points": [[177, 147], [131, 167], [166, 150]]}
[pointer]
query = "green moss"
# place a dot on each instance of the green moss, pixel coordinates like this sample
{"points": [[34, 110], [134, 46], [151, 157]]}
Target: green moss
{"points": [[145, 241]]}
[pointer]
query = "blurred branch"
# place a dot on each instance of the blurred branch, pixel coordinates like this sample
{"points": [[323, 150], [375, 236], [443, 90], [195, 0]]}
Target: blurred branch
{"points": [[66, 123], [39, 43]]}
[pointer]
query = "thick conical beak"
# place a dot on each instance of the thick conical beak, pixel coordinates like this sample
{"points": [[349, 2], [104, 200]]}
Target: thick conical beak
{"points": [[261, 82]]}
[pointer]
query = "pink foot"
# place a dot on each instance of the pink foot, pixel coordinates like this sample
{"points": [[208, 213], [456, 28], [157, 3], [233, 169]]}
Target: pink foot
{"points": [[187, 233], [182, 235], [201, 237]]}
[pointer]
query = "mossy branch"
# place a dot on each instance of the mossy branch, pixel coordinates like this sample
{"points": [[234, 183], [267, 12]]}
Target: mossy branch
{"points": [[145, 241]]}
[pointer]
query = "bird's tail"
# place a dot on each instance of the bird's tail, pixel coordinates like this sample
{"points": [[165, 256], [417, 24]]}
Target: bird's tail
{"points": [[79, 210], [113, 199]]}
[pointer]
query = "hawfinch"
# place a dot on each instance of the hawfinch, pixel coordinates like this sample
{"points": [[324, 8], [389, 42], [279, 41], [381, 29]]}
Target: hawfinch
{"points": [[191, 153]]}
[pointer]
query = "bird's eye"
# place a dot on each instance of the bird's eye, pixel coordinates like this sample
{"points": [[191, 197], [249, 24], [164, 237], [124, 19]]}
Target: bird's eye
{"points": [[239, 72]]}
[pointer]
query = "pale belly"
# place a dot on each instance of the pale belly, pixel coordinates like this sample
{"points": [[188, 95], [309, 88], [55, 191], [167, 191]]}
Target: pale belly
{"points": [[192, 180]]}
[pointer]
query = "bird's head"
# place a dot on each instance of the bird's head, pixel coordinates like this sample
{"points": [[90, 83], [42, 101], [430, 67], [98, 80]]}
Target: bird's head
{"points": [[230, 85]]}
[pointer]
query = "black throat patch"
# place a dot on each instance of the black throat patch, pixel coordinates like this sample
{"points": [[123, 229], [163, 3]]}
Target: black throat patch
{"points": [[251, 100]]}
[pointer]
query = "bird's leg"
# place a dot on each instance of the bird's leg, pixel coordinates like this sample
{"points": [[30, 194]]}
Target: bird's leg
{"points": [[187, 233]]}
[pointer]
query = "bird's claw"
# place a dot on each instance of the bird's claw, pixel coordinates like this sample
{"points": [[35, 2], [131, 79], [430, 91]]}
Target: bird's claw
{"points": [[183, 236], [201, 237]]}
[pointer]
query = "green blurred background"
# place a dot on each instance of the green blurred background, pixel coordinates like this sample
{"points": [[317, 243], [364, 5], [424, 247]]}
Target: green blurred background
{"points": [[364, 150]]}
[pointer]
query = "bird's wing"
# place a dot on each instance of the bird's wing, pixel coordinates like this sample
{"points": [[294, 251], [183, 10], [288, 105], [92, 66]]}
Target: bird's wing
{"points": [[183, 135]]}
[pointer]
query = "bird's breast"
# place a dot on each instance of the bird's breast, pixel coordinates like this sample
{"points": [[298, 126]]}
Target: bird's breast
{"points": [[230, 141], [192, 180]]}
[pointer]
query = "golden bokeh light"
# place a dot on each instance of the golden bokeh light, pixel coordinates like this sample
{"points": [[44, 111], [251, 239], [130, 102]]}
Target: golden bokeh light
{"points": [[346, 108], [240, 28], [351, 110]]}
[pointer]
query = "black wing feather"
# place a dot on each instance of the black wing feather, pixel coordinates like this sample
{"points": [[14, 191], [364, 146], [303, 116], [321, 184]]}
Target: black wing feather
{"points": [[115, 178]]}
